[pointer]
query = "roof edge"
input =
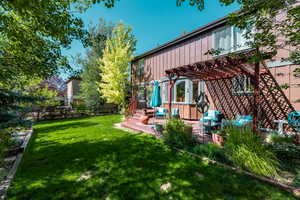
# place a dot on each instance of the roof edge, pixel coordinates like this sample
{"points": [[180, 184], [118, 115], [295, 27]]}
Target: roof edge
{"points": [[179, 39]]}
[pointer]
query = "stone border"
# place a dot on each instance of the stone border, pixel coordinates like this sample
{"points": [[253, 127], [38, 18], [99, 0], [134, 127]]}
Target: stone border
{"points": [[5, 183], [294, 190]]}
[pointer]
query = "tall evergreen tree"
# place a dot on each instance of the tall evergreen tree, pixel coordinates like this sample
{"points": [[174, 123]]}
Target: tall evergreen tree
{"points": [[91, 73]]}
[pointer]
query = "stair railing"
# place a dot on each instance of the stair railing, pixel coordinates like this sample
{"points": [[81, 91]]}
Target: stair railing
{"points": [[131, 107]]}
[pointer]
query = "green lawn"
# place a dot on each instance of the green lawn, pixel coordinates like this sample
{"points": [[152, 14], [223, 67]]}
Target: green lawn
{"points": [[89, 159]]}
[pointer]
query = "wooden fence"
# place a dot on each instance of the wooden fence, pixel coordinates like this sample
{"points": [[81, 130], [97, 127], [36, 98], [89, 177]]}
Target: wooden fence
{"points": [[62, 112]]}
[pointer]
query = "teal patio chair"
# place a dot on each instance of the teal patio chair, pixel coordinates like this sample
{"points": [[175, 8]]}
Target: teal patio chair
{"points": [[239, 121], [160, 112], [211, 119], [175, 113]]}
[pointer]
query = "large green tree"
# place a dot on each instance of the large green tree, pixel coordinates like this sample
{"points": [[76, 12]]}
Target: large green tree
{"points": [[91, 73], [115, 65], [32, 34], [277, 24]]}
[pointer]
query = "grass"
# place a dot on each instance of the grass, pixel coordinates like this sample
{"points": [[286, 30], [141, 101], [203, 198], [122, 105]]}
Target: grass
{"points": [[89, 159]]}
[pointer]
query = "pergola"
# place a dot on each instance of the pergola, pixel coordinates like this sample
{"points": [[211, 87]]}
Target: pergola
{"points": [[266, 103]]}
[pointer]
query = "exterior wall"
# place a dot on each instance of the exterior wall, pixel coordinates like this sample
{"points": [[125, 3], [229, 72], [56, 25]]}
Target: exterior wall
{"points": [[193, 50], [184, 53], [285, 76], [73, 89], [69, 92]]}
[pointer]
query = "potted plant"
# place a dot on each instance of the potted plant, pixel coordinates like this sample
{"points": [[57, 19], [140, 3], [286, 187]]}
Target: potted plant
{"points": [[218, 137], [144, 118]]}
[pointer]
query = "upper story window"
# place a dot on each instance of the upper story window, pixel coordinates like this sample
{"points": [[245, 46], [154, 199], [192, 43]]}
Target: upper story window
{"points": [[229, 39], [140, 67]]}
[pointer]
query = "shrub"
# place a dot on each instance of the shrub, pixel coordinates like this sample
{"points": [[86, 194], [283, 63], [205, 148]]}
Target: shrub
{"points": [[285, 151], [277, 139], [212, 151], [5, 142], [246, 150], [177, 133]]}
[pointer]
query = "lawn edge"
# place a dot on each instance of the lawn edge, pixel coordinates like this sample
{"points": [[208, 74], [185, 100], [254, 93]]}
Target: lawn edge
{"points": [[6, 182], [295, 191]]}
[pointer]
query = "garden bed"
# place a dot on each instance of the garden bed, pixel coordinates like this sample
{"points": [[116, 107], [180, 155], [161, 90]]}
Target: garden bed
{"points": [[12, 160], [250, 155]]}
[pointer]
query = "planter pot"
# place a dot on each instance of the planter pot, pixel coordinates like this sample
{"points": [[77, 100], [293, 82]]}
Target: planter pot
{"points": [[189, 130], [218, 139], [144, 119]]}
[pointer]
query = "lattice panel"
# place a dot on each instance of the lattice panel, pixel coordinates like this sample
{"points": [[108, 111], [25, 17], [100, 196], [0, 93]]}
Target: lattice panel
{"points": [[226, 101], [273, 105]]}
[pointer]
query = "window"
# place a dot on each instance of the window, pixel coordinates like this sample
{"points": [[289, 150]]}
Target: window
{"points": [[165, 92], [229, 39], [180, 91], [141, 93], [242, 84], [140, 67], [223, 41], [195, 91]]}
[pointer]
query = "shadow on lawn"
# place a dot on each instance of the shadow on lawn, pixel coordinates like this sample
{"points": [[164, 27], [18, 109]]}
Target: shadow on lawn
{"points": [[128, 167]]}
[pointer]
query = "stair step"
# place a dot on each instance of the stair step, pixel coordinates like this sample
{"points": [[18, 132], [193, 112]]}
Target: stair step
{"points": [[137, 126]]}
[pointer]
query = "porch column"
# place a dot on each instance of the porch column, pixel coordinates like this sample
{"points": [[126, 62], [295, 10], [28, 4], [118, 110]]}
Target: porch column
{"points": [[256, 97]]}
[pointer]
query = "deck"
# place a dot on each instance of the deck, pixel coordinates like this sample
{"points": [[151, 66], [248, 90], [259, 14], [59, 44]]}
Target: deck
{"points": [[134, 124]]}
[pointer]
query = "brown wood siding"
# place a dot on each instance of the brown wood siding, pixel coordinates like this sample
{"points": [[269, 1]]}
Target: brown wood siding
{"points": [[185, 53], [193, 50]]}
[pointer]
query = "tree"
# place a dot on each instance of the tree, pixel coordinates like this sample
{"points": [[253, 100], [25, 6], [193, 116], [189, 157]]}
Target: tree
{"points": [[32, 34], [272, 20], [91, 72], [115, 65], [55, 84]]}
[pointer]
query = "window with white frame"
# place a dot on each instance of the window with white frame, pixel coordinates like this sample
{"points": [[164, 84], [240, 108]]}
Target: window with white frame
{"points": [[242, 84], [140, 67], [180, 91], [165, 92], [229, 39]]}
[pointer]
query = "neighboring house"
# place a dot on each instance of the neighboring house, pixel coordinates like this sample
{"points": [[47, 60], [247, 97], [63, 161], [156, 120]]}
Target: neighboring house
{"points": [[191, 48], [73, 90]]}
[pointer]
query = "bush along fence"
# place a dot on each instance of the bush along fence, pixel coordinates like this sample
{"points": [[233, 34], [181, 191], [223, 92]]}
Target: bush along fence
{"points": [[63, 112]]}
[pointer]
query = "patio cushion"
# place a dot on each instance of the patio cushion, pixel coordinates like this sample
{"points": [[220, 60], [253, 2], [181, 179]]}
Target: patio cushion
{"points": [[213, 115], [175, 112], [242, 120], [161, 111]]}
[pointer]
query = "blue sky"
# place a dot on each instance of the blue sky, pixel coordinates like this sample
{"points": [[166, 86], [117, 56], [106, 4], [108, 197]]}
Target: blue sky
{"points": [[154, 22]]}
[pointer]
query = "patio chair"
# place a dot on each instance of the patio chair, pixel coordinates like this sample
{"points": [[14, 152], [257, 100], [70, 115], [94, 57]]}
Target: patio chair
{"points": [[175, 113], [160, 112], [239, 121], [211, 119]]}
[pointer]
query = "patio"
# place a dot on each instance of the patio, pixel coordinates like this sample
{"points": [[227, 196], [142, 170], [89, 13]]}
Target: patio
{"points": [[133, 123]]}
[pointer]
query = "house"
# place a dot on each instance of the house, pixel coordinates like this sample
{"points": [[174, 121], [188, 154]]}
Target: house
{"points": [[190, 50], [73, 90]]}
